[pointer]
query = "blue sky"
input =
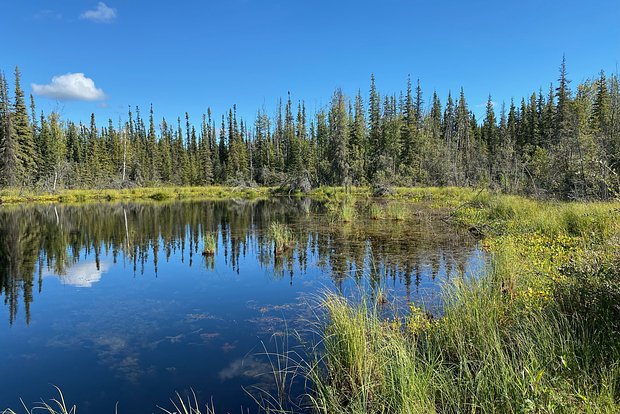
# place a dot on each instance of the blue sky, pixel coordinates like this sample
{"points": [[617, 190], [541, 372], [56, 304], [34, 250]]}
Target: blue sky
{"points": [[188, 55]]}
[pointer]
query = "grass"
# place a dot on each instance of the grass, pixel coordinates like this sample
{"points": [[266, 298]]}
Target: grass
{"points": [[210, 244], [441, 197], [55, 406], [188, 406], [342, 208], [376, 212], [15, 196], [282, 237], [397, 211], [539, 332], [58, 405]]}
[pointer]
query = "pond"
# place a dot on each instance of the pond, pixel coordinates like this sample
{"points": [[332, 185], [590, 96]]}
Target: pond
{"points": [[115, 303]]}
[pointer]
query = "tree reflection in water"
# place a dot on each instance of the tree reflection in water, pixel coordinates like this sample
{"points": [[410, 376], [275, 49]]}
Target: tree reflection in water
{"points": [[53, 239]]}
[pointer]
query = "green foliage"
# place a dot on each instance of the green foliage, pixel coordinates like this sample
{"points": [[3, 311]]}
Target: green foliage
{"points": [[342, 208], [538, 332], [14, 196], [210, 245], [376, 212], [564, 144], [282, 237], [397, 211]]}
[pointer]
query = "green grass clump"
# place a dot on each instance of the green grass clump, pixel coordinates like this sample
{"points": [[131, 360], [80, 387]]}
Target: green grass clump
{"points": [[397, 211], [210, 244], [376, 212], [342, 208], [282, 237], [161, 195], [347, 212]]}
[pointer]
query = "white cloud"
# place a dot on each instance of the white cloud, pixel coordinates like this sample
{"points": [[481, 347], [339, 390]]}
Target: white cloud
{"points": [[83, 274], [70, 87], [102, 14]]}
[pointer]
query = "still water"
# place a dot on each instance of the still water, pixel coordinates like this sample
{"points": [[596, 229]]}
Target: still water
{"points": [[116, 305]]}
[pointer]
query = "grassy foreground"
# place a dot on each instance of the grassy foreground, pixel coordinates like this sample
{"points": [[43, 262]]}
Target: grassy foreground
{"points": [[538, 333]]}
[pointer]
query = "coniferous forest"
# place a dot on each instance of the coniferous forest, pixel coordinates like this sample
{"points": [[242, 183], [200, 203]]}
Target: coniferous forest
{"points": [[562, 141]]}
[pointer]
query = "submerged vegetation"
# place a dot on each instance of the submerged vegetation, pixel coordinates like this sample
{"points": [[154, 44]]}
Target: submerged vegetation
{"points": [[538, 332]]}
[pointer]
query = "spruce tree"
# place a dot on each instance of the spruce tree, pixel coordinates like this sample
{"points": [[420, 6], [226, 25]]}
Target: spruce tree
{"points": [[22, 130], [563, 95], [10, 168], [339, 136], [357, 142], [374, 126]]}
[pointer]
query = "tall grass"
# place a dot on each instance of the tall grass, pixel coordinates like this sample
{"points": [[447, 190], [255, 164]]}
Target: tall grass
{"points": [[282, 237], [55, 406], [189, 405], [376, 212], [397, 211], [342, 208], [58, 405], [539, 332], [481, 356], [210, 244]]}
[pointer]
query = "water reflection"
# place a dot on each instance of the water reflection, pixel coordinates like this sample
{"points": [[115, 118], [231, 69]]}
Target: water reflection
{"points": [[69, 241]]}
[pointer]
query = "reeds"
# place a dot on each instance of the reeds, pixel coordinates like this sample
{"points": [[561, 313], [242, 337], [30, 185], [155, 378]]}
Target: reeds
{"points": [[376, 212], [342, 208], [180, 405], [55, 406], [282, 237], [397, 211], [537, 332], [210, 245], [189, 405]]}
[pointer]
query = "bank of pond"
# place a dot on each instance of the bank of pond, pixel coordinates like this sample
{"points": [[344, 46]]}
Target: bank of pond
{"points": [[428, 300]]}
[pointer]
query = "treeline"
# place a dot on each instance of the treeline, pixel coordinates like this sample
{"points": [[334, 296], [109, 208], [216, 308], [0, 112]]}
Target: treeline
{"points": [[556, 142]]}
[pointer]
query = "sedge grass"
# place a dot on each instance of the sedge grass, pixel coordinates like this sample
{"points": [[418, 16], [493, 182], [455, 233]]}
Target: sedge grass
{"points": [[376, 212], [15, 196], [342, 208], [210, 245], [282, 237], [180, 405], [397, 211], [539, 332]]}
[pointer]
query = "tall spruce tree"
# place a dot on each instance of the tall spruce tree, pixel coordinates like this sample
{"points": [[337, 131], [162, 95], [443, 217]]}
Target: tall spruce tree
{"points": [[22, 130], [339, 137]]}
